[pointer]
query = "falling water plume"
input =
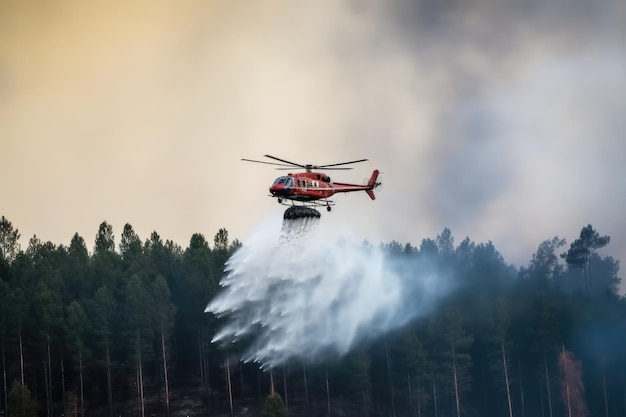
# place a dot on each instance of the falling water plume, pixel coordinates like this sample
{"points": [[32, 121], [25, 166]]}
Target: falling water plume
{"points": [[297, 294]]}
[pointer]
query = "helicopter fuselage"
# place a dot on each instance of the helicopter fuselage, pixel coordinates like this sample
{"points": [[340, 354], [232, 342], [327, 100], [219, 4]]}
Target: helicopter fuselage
{"points": [[303, 186], [310, 186]]}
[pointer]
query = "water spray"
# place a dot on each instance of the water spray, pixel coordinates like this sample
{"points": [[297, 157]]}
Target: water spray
{"points": [[293, 294]]}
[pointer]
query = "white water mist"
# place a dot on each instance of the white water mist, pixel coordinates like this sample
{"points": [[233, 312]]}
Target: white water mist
{"points": [[291, 293]]}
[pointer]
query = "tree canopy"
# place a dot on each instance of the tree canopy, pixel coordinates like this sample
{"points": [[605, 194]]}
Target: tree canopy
{"points": [[107, 330]]}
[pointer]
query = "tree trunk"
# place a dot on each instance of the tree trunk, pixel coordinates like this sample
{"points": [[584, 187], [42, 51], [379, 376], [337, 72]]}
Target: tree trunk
{"points": [[241, 383], [143, 407], [285, 390], [589, 271], [4, 380], [624, 398], [204, 362], [390, 379], [606, 403], [521, 387], [138, 405], [545, 362], [419, 402], [230, 389], [63, 386], [506, 378], [201, 361], [109, 388], [456, 384], [306, 390], [327, 392], [435, 397], [45, 377], [569, 403], [82, 391], [410, 395], [258, 381], [167, 386], [49, 375], [585, 275], [21, 354]]}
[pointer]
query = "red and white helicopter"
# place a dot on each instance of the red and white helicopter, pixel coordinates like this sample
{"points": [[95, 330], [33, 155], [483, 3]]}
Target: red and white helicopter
{"points": [[311, 188]]}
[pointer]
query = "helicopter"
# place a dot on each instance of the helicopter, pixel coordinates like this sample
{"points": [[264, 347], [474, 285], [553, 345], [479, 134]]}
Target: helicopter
{"points": [[312, 188]]}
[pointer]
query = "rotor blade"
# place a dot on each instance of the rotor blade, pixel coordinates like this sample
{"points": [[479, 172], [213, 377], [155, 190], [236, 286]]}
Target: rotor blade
{"points": [[316, 167], [264, 162], [341, 163], [287, 162]]}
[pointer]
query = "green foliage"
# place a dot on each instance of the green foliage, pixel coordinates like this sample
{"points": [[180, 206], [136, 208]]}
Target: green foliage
{"points": [[582, 249], [105, 241], [94, 307], [274, 407], [9, 241], [220, 243], [20, 401], [77, 325], [353, 376], [588, 242]]}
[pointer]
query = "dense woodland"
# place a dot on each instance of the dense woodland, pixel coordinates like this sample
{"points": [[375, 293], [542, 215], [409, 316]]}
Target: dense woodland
{"points": [[106, 329]]}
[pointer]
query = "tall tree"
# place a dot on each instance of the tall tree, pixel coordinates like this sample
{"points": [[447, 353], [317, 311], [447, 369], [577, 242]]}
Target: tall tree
{"points": [[17, 316], [445, 243], [103, 309], [77, 324], [140, 323], [572, 388], [21, 402], [220, 242], [4, 310], [543, 270], [193, 291], [105, 241], [105, 263], [545, 339], [499, 328], [414, 361], [9, 241], [76, 271], [353, 379], [49, 315], [130, 248], [458, 360], [274, 407], [163, 318], [580, 251]]}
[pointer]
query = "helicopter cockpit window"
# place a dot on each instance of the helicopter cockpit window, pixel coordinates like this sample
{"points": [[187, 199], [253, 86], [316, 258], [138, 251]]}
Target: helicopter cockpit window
{"points": [[287, 181]]}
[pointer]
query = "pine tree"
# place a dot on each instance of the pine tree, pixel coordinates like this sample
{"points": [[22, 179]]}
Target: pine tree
{"points": [[9, 241], [572, 388], [21, 402], [580, 251], [458, 361], [274, 406]]}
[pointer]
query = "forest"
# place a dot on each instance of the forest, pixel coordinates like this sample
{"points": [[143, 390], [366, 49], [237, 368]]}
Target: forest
{"points": [[118, 329]]}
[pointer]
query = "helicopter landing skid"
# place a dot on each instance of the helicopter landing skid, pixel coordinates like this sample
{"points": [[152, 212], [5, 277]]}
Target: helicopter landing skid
{"points": [[306, 203]]}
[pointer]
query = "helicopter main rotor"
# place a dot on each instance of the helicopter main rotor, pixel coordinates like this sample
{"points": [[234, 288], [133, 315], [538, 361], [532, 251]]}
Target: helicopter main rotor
{"points": [[285, 165]]}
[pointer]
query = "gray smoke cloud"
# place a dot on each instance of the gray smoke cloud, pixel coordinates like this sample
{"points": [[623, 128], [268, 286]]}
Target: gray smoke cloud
{"points": [[298, 294], [502, 121]]}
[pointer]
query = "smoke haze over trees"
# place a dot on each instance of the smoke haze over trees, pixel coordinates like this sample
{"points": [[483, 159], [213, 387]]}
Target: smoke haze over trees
{"points": [[114, 324]]}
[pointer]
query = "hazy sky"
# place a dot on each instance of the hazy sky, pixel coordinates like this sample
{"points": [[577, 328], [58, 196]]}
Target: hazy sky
{"points": [[503, 121]]}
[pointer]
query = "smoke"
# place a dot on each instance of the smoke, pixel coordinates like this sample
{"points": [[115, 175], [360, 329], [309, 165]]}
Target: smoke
{"points": [[297, 294]]}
